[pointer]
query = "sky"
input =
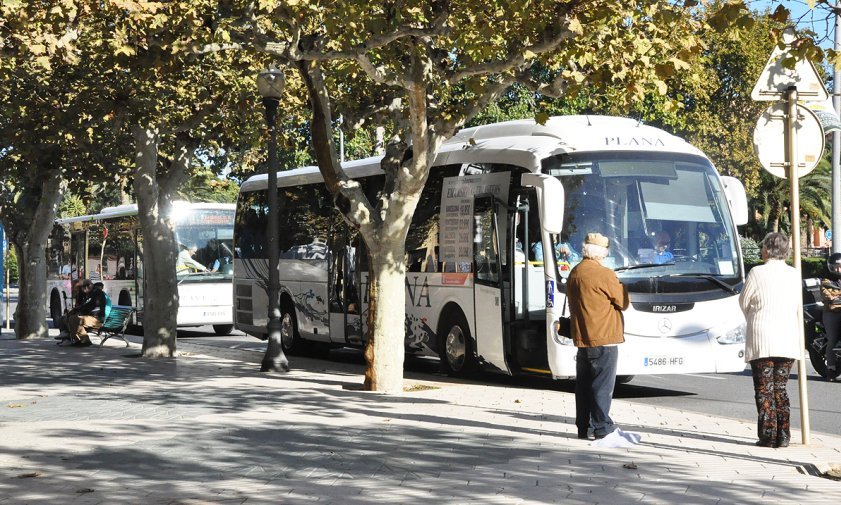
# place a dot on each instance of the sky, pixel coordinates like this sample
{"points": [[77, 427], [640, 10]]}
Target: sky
{"points": [[816, 20]]}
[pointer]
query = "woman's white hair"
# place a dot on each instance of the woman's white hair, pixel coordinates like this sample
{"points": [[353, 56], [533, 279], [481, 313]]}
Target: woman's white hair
{"points": [[594, 252]]}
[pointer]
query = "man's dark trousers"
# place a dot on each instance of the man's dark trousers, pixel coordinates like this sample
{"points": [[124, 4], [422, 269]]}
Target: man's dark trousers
{"points": [[595, 377]]}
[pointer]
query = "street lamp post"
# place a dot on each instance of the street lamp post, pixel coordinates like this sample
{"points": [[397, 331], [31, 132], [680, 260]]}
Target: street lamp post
{"points": [[270, 83]]}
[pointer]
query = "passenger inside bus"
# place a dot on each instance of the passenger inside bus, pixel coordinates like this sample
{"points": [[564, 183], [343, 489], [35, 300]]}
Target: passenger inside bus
{"points": [[69, 271], [185, 263], [661, 248], [563, 252]]}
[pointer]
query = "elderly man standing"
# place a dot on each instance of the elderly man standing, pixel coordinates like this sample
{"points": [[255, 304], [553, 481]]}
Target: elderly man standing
{"points": [[596, 302]]}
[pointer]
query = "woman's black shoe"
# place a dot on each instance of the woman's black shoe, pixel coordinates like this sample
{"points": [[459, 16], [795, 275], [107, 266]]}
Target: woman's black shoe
{"points": [[783, 442], [765, 443]]}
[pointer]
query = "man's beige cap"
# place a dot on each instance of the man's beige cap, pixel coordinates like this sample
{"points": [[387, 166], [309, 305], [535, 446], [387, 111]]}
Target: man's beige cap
{"points": [[597, 239]]}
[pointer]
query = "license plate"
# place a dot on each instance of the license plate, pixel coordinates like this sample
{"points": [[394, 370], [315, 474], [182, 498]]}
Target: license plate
{"points": [[658, 361]]}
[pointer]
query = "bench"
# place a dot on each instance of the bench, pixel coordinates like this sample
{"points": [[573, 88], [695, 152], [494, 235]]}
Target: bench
{"points": [[114, 326]]}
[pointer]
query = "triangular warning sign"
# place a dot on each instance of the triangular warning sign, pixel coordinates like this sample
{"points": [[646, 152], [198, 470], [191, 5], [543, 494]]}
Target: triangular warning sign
{"points": [[775, 80]]}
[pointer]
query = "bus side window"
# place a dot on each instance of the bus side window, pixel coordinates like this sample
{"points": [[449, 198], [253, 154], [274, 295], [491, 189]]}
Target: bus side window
{"points": [[485, 247], [415, 260]]}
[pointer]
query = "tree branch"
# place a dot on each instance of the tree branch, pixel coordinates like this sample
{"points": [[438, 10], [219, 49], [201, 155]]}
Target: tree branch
{"points": [[200, 50], [295, 50], [554, 89], [176, 173], [516, 58], [377, 74], [347, 194], [448, 128], [196, 118]]}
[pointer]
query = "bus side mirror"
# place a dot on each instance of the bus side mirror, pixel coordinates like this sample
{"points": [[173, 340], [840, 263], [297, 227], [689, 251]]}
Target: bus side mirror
{"points": [[737, 198], [550, 196]]}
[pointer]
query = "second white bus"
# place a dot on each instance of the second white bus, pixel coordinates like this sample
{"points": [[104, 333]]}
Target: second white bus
{"points": [[108, 247]]}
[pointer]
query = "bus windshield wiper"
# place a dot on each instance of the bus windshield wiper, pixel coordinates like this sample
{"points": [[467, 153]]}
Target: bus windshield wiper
{"points": [[710, 277], [642, 265]]}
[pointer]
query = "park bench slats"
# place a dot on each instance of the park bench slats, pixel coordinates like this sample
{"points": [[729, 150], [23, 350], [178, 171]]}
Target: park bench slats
{"points": [[115, 324]]}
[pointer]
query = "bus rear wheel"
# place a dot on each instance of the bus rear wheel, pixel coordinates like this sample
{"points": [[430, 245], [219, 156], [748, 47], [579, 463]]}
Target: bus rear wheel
{"points": [[455, 346], [223, 329]]}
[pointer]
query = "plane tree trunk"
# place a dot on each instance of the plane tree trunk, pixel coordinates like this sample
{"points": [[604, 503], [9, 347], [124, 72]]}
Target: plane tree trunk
{"points": [[29, 233], [155, 190]]}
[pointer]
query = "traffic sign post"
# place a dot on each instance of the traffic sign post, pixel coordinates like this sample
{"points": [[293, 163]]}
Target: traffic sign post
{"points": [[802, 83], [794, 179]]}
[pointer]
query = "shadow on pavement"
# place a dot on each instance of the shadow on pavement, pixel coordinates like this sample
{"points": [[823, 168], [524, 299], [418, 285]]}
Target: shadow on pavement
{"points": [[151, 431]]}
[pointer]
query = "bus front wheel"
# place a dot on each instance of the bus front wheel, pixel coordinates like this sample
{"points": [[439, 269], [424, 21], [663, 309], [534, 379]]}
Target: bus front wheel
{"points": [[290, 341], [223, 329], [455, 346]]}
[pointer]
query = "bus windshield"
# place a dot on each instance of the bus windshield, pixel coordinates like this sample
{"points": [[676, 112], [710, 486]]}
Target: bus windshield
{"points": [[211, 232], [665, 216]]}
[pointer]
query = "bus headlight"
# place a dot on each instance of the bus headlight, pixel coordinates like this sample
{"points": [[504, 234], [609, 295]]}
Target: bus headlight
{"points": [[734, 336]]}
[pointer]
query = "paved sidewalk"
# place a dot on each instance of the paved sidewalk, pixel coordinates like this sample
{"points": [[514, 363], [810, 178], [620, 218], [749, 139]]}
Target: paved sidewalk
{"points": [[100, 425]]}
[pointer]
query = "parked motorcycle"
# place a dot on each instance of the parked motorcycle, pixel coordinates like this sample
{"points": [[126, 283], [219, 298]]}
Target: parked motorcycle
{"points": [[813, 328]]}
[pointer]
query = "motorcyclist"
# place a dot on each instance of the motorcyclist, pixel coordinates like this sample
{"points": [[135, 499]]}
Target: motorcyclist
{"points": [[831, 297]]}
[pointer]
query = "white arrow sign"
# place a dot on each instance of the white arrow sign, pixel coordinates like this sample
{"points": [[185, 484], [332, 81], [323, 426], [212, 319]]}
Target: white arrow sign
{"points": [[776, 79]]}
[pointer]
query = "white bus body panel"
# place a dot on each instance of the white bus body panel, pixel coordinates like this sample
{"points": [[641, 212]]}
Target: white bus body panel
{"points": [[302, 281], [426, 296], [204, 303], [488, 335]]}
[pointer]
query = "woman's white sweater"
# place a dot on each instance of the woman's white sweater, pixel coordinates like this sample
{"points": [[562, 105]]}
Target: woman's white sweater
{"points": [[772, 303]]}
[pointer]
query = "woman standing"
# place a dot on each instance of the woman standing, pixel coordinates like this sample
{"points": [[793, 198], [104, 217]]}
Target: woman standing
{"points": [[771, 302]]}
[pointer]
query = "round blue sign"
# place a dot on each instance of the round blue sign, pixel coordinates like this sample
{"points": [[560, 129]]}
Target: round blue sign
{"points": [[828, 234]]}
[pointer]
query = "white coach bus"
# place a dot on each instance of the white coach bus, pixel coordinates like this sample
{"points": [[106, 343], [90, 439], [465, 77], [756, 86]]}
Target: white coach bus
{"points": [[478, 291], [108, 247]]}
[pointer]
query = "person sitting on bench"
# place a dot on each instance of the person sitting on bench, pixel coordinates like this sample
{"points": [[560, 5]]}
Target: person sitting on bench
{"points": [[90, 314], [79, 298]]}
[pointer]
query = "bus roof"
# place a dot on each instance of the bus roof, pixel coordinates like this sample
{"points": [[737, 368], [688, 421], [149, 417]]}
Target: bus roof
{"points": [[522, 143], [130, 209]]}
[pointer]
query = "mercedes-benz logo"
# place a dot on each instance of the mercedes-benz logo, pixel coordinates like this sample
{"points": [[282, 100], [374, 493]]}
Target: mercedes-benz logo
{"points": [[664, 325]]}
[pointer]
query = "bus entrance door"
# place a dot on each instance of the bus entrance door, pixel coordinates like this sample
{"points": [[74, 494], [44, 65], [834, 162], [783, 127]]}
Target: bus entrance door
{"points": [[487, 290]]}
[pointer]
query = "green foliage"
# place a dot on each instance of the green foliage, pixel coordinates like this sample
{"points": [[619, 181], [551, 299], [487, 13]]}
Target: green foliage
{"points": [[205, 186], [750, 249], [71, 206], [809, 267], [813, 267]]}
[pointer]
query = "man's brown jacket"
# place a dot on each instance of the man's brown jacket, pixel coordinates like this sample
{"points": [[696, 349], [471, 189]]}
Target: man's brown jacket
{"points": [[596, 302]]}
